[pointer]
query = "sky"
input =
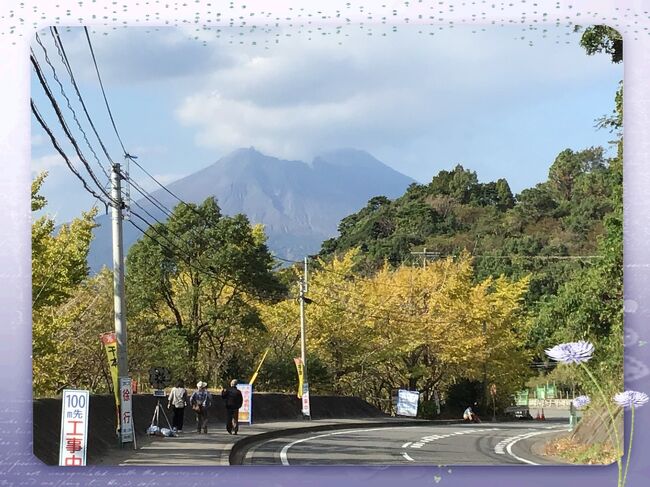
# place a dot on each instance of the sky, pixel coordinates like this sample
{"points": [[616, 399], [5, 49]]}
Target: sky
{"points": [[497, 102]]}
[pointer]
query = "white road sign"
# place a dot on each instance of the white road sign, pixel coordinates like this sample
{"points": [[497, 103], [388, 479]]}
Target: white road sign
{"points": [[74, 428]]}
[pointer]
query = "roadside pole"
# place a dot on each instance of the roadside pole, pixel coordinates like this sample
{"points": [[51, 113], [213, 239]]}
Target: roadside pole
{"points": [[303, 347], [118, 276], [118, 273]]}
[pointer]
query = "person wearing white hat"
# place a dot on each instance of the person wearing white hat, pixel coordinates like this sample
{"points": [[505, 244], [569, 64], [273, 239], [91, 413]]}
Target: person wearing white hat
{"points": [[200, 401]]}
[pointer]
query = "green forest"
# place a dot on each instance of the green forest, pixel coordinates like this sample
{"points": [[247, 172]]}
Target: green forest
{"points": [[454, 285]]}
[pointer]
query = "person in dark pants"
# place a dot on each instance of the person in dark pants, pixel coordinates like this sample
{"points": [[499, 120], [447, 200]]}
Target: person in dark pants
{"points": [[233, 399], [177, 400], [201, 401]]}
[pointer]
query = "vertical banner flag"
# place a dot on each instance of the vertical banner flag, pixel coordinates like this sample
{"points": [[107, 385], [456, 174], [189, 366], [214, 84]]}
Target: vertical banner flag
{"points": [[126, 410], [305, 399], [299, 369], [246, 409], [407, 403], [74, 428], [110, 343]]}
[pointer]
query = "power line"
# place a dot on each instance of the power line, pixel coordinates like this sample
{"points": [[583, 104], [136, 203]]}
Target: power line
{"points": [[133, 159], [66, 63], [110, 114], [59, 115], [126, 154], [540, 257], [64, 58], [149, 197], [182, 256], [58, 148], [69, 105], [378, 317], [147, 212]]}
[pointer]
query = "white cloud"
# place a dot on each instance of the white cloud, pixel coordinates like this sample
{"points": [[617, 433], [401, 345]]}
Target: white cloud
{"points": [[38, 140], [300, 98], [47, 163], [137, 55]]}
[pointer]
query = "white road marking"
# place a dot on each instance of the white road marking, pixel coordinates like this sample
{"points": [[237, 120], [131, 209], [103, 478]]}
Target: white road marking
{"points": [[427, 439], [416, 444], [406, 455], [285, 449], [508, 443]]}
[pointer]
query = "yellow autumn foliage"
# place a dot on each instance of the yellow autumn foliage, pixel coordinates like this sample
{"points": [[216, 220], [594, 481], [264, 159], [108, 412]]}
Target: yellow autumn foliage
{"points": [[418, 327]]}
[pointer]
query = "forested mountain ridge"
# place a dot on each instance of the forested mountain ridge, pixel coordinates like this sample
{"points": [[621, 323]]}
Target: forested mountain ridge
{"points": [[543, 230]]}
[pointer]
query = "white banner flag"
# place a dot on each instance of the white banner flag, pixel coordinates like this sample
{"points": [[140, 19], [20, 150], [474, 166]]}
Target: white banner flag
{"points": [[74, 428]]}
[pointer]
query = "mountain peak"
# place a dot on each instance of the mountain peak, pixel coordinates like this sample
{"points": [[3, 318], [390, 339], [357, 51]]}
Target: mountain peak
{"points": [[348, 158], [300, 204]]}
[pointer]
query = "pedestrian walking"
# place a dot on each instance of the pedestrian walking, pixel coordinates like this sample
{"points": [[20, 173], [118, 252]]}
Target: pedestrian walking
{"points": [[176, 401], [233, 399], [200, 402]]}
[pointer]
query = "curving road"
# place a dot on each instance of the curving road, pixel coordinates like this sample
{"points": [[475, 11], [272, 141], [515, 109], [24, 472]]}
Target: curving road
{"points": [[452, 444]]}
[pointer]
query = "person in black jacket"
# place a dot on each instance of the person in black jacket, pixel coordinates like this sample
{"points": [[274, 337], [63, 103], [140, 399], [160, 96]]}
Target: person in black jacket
{"points": [[233, 399]]}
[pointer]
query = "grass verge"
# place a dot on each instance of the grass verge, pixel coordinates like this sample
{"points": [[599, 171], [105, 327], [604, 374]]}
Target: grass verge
{"points": [[580, 453]]}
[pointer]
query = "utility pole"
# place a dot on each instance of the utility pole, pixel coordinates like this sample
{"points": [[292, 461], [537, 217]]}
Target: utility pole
{"points": [[118, 273], [485, 386], [303, 347]]}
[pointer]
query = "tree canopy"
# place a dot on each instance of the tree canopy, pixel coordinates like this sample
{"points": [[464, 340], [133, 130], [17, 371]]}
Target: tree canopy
{"points": [[195, 278]]}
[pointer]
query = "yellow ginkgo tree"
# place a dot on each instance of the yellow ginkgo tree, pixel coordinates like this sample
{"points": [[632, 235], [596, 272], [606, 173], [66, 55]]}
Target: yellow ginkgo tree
{"points": [[415, 327]]}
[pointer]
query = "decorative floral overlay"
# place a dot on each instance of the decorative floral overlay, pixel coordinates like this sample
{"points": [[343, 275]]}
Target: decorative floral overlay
{"points": [[580, 353]]}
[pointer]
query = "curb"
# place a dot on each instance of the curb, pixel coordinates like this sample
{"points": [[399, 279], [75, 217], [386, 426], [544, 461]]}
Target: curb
{"points": [[240, 448], [538, 448]]}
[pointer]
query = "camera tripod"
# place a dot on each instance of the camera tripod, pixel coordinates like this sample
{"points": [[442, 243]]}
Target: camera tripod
{"points": [[156, 415]]}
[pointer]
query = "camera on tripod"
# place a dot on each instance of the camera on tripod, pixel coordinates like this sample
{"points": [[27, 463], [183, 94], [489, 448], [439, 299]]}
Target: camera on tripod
{"points": [[159, 378]]}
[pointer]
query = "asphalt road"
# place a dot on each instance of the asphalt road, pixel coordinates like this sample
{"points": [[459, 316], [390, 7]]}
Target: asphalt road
{"points": [[455, 444]]}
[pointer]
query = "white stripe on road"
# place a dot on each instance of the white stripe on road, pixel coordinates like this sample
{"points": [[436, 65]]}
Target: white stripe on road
{"points": [[427, 439], [406, 445], [285, 449], [508, 443], [406, 455]]}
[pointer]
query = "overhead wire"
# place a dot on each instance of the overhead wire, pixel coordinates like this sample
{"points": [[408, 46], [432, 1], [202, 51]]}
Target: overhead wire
{"points": [[69, 105], [180, 252], [66, 130], [183, 256], [59, 44], [101, 84], [128, 156], [148, 196], [165, 188], [66, 62], [58, 148]]}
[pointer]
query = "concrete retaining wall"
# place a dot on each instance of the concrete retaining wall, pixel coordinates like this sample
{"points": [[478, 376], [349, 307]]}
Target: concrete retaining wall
{"points": [[101, 427], [593, 427]]}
